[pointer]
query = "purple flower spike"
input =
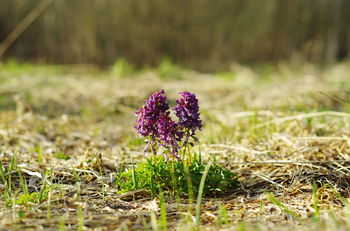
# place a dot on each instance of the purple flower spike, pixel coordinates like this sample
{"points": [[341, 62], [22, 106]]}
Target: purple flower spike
{"points": [[187, 110], [149, 114], [154, 122], [169, 134]]}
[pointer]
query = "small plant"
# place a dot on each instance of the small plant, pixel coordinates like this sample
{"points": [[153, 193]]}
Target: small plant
{"points": [[20, 196], [122, 68], [171, 177], [7, 180], [168, 70], [156, 125], [61, 155], [180, 171]]}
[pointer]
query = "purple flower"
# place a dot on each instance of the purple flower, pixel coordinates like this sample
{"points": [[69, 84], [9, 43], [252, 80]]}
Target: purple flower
{"points": [[149, 114], [154, 121], [169, 133], [187, 110]]}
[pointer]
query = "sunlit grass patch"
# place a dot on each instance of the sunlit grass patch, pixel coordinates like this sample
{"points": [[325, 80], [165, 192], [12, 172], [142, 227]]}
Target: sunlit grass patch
{"points": [[176, 178]]}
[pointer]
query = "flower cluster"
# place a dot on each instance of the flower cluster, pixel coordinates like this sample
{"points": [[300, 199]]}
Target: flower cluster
{"points": [[155, 123], [187, 110], [169, 135]]}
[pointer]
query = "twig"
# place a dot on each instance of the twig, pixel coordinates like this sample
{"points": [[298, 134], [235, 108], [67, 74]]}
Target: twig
{"points": [[341, 167], [24, 24], [270, 181]]}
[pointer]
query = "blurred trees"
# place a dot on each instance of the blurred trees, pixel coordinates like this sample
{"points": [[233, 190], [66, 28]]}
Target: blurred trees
{"points": [[203, 34]]}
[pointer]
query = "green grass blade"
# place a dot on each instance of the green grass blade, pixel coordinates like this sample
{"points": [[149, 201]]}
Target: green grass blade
{"points": [[7, 193], [200, 192], [12, 164], [3, 176], [163, 213], [223, 218], [22, 181], [285, 208], [43, 188], [133, 175], [154, 221], [316, 216], [341, 198], [80, 218], [189, 186], [62, 225]]}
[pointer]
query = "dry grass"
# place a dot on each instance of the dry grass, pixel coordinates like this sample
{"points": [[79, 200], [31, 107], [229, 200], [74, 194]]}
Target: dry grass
{"points": [[279, 133]]}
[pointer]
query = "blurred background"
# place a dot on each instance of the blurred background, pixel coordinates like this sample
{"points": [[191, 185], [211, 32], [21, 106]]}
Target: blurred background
{"points": [[204, 35]]}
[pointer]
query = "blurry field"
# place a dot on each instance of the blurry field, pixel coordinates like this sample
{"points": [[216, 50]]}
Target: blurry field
{"points": [[285, 130]]}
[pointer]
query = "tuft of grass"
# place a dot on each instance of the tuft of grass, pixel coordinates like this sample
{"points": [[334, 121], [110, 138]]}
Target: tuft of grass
{"points": [[7, 180], [173, 178], [168, 70], [223, 218], [122, 68], [61, 155], [25, 197], [13, 196], [44, 189], [7, 194]]}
